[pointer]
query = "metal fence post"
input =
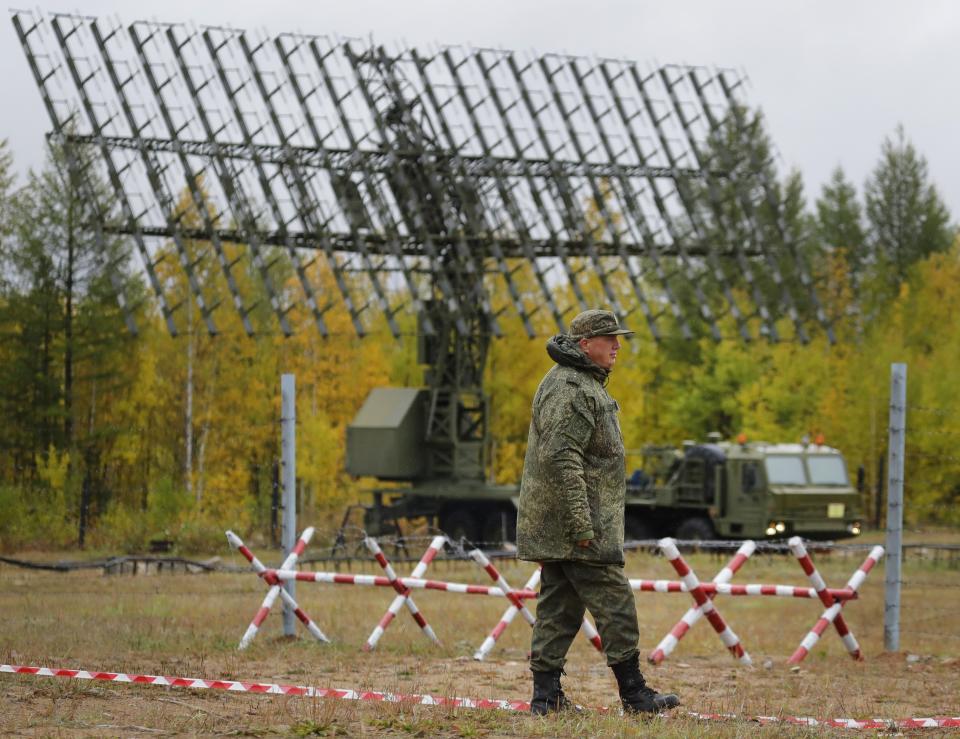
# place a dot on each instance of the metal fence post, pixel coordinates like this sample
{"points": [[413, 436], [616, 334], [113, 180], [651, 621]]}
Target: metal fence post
{"points": [[895, 477], [288, 444]]}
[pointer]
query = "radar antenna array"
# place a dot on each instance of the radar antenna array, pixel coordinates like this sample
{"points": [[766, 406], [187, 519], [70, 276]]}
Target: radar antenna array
{"points": [[418, 179]]}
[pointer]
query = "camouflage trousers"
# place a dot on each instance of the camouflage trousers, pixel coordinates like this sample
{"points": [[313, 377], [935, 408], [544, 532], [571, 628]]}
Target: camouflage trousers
{"points": [[566, 590]]}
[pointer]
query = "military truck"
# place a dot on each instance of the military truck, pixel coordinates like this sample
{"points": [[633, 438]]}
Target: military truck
{"points": [[743, 490], [717, 489]]}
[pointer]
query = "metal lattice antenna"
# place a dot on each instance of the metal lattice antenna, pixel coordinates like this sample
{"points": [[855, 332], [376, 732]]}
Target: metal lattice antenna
{"points": [[660, 192], [66, 29], [228, 176], [413, 177], [28, 31], [193, 179], [418, 181], [736, 109]]}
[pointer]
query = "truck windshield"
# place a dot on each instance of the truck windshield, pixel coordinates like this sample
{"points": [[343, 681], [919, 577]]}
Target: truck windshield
{"points": [[827, 470], [784, 470]]}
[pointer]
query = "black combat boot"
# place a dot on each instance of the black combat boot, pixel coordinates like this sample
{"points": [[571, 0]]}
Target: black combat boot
{"points": [[548, 695], [634, 693]]}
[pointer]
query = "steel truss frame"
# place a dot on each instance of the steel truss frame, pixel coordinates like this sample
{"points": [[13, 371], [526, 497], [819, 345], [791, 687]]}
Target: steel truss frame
{"points": [[414, 180]]}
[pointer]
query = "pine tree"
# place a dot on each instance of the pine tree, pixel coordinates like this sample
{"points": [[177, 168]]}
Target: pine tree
{"points": [[66, 334], [907, 219], [758, 225], [840, 218], [840, 230]]}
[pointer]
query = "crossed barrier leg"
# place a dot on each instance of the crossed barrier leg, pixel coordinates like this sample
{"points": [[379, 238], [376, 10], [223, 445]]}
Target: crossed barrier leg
{"points": [[403, 592], [670, 641], [276, 588], [481, 559], [730, 640], [506, 619], [834, 605]]}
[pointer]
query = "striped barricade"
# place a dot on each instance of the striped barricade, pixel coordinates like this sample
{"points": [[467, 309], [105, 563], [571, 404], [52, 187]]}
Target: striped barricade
{"points": [[670, 641], [403, 592], [834, 605], [517, 606], [275, 587], [703, 594], [730, 640]]}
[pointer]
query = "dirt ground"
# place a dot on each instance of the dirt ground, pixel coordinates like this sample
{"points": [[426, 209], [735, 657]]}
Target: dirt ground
{"points": [[189, 626]]}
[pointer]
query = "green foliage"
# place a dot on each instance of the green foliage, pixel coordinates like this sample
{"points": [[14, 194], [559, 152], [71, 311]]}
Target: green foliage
{"points": [[82, 402], [908, 221], [122, 528], [35, 517], [167, 504], [53, 468], [64, 339], [201, 532], [840, 218]]}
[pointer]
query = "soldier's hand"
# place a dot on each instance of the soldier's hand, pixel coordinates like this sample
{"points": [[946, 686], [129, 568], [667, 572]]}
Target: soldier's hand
{"points": [[584, 543]]}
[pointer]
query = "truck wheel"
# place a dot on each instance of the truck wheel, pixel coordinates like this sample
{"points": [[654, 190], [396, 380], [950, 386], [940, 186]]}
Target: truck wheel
{"points": [[459, 525], [696, 529], [636, 528]]}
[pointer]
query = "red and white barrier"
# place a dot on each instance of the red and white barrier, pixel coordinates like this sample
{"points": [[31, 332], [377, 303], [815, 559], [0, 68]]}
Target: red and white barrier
{"points": [[800, 552], [414, 583], [262, 688], [481, 559], [702, 593], [832, 614], [670, 641], [276, 588], [505, 620], [403, 592], [593, 636], [730, 640], [713, 588]]}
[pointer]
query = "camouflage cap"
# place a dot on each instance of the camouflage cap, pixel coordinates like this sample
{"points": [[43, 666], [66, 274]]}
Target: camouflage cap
{"points": [[596, 323]]}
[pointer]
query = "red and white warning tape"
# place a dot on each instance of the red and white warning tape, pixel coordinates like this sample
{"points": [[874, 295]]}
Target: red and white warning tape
{"points": [[238, 686], [890, 724]]}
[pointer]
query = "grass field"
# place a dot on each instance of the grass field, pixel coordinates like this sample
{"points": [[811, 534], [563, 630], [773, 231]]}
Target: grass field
{"points": [[189, 625]]}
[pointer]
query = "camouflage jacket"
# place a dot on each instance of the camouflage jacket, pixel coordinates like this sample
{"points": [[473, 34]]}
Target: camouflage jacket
{"points": [[573, 484]]}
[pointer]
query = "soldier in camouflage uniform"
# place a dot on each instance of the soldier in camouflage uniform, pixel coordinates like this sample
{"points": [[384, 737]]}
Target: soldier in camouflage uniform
{"points": [[571, 516]]}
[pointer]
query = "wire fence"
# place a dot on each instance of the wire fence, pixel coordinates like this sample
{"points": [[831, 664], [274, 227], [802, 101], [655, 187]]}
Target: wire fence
{"points": [[347, 552]]}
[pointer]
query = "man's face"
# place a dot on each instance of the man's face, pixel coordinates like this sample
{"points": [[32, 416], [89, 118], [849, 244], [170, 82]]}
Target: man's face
{"points": [[602, 350]]}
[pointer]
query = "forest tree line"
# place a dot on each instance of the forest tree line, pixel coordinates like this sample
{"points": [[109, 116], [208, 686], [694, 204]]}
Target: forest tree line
{"points": [[118, 439]]}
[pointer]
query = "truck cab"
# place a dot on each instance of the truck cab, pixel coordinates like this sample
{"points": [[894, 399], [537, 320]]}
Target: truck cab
{"points": [[790, 489], [743, 490]]}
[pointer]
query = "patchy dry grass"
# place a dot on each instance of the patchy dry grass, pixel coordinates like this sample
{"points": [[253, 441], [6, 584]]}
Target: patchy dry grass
{"points": [[189, 625]]}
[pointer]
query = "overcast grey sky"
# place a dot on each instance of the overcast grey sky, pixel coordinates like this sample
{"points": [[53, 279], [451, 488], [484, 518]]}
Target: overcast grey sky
{"points": [[833, 77]]}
